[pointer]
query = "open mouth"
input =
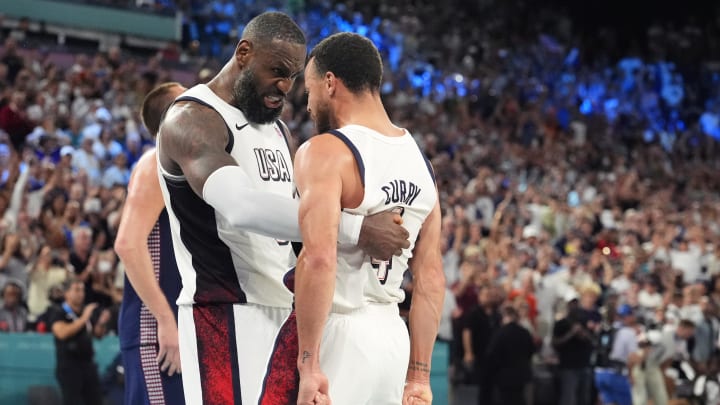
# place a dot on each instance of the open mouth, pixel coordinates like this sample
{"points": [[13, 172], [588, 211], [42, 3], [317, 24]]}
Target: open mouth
{"points": [[273, 102]]}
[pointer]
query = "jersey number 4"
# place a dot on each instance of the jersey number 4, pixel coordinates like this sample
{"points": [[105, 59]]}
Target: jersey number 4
{"points": [[383, 267]]}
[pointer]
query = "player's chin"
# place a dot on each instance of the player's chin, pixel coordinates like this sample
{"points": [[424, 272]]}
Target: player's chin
{"points": [[270, 115]]}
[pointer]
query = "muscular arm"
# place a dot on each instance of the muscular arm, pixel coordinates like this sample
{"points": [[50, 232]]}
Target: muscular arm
{"points": [[428, 296], [229, 191], [142, 208], [319, 165], [193, 140], [192, 143]]}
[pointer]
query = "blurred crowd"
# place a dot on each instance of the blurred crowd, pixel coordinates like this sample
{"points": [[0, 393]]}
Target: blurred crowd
{"points": [[579, 191]]}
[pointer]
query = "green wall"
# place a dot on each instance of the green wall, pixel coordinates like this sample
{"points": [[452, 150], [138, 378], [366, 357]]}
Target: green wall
{"points": [[81, 16], [28, 359]]}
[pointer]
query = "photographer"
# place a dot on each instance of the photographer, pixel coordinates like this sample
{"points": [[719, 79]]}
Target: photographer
{"points": [[71, 325], [573, 341]]}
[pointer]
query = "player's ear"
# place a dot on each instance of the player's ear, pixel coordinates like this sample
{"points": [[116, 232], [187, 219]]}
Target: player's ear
{"points": [[330, 82], [243, 52]]}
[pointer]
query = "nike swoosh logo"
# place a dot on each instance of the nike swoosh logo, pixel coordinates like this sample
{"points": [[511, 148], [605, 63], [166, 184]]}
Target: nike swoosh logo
{"points": [[240, 127]]}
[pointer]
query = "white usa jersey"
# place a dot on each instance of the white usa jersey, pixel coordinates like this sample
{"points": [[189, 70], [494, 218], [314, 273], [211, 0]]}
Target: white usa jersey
{"points": [[219, 263], [397, 175]]}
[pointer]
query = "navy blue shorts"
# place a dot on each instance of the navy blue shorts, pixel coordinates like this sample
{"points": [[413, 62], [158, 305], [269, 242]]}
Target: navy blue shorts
{"points": [[145, 384]]}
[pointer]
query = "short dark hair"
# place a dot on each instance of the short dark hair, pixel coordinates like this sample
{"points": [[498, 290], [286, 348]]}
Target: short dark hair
{"points": [[352, 58], [154, 105], [70, 281], [271, 26], [510, 312], [11, 283]]}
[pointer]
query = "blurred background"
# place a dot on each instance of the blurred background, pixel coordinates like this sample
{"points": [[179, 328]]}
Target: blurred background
{"points": [[575, 146]]}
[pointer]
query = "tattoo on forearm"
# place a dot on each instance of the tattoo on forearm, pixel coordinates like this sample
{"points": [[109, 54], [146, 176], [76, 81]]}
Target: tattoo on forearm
{"points": [[419, 367], [306, 355]]}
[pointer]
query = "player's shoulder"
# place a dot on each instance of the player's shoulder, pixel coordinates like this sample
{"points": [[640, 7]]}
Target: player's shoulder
{"points": [[325, 150], [323, 143], [188, 128], [147, 164], [148, 159], [185, 116]]}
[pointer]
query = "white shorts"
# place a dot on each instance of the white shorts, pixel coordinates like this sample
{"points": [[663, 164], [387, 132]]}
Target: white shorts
{"points": [[224, 350], [364, 354]]}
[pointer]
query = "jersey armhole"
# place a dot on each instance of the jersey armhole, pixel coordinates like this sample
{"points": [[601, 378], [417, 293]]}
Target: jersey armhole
{"points": [[428, 164], [354, 150]]}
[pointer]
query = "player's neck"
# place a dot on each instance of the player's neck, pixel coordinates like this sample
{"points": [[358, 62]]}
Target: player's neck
{"points": [[222, 82], [367, 110]]}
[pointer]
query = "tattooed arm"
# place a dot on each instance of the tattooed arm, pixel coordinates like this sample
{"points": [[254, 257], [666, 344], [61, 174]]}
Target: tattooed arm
{"points": [[425, 309], [322, 166]]}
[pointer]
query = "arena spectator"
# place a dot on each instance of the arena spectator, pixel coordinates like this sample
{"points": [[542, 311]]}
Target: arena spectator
{"points": [[45, 272], [574, 341], [509, 352], [73, 326], [560, 165], [13, 316], [479, 326]]}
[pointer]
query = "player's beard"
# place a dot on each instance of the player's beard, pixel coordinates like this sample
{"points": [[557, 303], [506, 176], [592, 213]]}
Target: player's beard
{"points": [[322, 118], [245, 96]]}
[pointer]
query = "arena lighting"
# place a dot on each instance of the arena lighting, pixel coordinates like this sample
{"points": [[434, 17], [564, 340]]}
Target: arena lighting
{"points": [[586, 107], [648, 135]]}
